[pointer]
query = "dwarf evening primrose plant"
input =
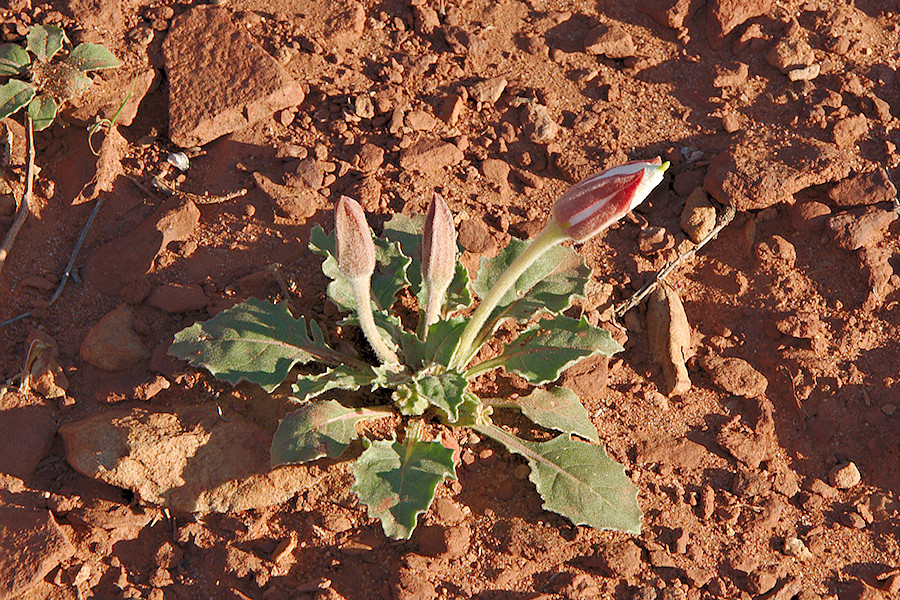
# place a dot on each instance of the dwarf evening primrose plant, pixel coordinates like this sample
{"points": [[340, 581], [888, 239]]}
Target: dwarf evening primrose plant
{"points": [[430, 370]]}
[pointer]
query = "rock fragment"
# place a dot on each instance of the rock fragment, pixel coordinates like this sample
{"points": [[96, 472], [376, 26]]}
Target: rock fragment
{"points": [[852, 230], [757, 172], [849, 130], [27, 428], [177, 298], [31, 545], [810, 216], [112, 344], [670, 337], [174, 459], [698, 218], [220, 80], [735, 376], [790, 54], [538, 126], [430, 156], [844, 476], [620, 559], [672, 13], [722, 16], [611, 41], [475, 237], [863, 189], [488, 91]]}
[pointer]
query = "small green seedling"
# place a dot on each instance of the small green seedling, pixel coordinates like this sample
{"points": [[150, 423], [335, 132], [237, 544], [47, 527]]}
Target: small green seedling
{"points": [[429, 370], [42, 84]]}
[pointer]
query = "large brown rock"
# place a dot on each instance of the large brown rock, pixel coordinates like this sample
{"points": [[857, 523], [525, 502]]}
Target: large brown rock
{"points": [[758, 171], [188, 459], [220, 80], [31, 545]]}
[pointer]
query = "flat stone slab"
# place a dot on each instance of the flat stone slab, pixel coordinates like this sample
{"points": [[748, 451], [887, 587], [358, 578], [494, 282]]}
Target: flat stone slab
{"points": [[187, 458], [220, 80], [758, 172]]}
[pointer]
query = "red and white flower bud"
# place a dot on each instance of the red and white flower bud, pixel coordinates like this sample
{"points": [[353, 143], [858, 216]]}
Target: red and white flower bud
{"points": [[438, 245], [355, 248], [593, 204]]}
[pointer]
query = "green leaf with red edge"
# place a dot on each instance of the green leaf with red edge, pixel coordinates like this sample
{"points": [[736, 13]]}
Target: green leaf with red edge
{"points": [[577, 480], [92, 57], [42, 110], [14, 60], [44, 41], [318, 429], [396, 481], [14, 95]]}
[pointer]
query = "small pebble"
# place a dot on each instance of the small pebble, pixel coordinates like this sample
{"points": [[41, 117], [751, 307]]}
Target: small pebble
{"points": [[844, 476]]}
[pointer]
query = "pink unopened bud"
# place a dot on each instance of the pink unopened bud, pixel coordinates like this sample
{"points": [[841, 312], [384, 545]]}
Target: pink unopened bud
{"points": [[355, 248], [438, 245], [592, 205]]}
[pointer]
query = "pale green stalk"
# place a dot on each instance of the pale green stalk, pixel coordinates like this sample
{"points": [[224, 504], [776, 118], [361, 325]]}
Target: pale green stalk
{"points": [[362, 296], [433, 305], [550, 236]]}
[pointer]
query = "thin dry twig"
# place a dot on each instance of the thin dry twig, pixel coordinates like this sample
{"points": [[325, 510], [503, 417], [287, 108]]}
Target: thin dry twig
{"points": [[723, 219], [22, 212]]}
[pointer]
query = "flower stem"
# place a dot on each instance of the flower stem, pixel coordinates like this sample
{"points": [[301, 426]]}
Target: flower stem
{"points": [[363, 299], [433, 305], [550, 236]]}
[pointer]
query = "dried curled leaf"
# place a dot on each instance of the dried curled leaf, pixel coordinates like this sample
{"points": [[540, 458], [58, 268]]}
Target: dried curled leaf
{"points": [[670, 337]]}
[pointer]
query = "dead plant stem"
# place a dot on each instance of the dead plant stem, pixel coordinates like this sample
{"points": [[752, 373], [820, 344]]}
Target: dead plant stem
{"points": [[724, 218], [22, 212]]}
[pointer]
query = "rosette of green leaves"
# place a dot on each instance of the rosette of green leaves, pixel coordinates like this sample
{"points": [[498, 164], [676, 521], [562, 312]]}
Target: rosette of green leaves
{"points": [[41, 84]]}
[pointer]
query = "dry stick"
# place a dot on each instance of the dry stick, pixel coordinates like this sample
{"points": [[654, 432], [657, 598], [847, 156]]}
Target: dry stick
{"points": [[22, 213], [721, 221]]}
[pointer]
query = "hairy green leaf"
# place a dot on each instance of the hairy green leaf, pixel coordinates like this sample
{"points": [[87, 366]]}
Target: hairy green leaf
{"points": [[544, 350], [318, 429], [14, 60], [44, 41], [92, 57], [396, 481], [558, 408], [407, 232], [344, 377], [388, 279], [445, 392], [42, 110], [255, 341], [577, 480], [549, 285], [14, 95]]}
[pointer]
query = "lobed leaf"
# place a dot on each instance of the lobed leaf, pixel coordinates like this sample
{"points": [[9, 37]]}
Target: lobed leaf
{"points": [[577, 480], [558, 408], [14, 60], [44, 41], [255, 341], [544, 350], [397, 481], [344, 377], [42, 110], [317, 429], [445, 391], [92, 57], [549, 285], [14, 95]]}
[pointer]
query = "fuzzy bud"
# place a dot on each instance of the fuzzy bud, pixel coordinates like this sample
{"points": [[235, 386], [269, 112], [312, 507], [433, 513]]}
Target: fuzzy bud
{"points": [[438, 245], [355, 248], [593, 204]]}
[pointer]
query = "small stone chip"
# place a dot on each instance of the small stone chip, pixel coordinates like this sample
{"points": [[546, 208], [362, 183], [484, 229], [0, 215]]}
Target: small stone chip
{"points": [[844, 476]]}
